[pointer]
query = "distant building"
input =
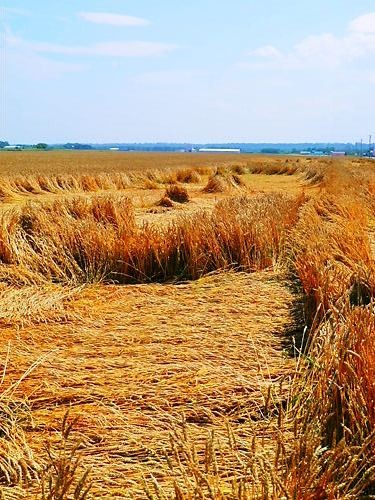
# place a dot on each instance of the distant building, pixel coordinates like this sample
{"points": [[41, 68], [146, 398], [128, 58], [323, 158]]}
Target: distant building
{"points": [[12, 148], [219, 150], [114, 149], [312, 153], [338, 153]]}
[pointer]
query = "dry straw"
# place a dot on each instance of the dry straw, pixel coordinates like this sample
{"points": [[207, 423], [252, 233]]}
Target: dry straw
{"points": [[244, 420]]}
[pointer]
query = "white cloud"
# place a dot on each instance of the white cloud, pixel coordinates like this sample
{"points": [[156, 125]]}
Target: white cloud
{"points": [[267, 51], [105, 49], [320, 51], [34, 61], [113, 19], [317, 46], [363, 24], [170, 77], [23, 62], [108, 49]]}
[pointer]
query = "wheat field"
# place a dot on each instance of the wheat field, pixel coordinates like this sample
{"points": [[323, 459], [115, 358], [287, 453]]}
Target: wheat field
{"points": [[186, 326]]}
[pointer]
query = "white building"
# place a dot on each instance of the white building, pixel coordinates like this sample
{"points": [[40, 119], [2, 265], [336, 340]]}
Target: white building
{"points": [[219, 150]]}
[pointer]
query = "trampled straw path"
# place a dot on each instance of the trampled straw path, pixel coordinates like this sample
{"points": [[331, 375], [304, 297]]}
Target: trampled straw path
{"points": [[133, 362]]}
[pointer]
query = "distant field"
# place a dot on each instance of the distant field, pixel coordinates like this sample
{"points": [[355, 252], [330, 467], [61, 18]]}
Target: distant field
{"points": [[51, 162], [71, 162], [206, 321]]}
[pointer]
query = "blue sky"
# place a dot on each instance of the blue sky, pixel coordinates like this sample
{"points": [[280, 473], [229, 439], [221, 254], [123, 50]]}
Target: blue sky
{"points": [[197, 71]]}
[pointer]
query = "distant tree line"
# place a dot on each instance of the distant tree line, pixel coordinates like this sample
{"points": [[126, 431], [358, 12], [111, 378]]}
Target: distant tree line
{"points": [[265, 148], [40, 145], [77, 145]]}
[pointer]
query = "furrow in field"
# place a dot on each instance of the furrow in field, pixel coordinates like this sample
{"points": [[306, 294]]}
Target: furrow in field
{"points": [[134, 362]]}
